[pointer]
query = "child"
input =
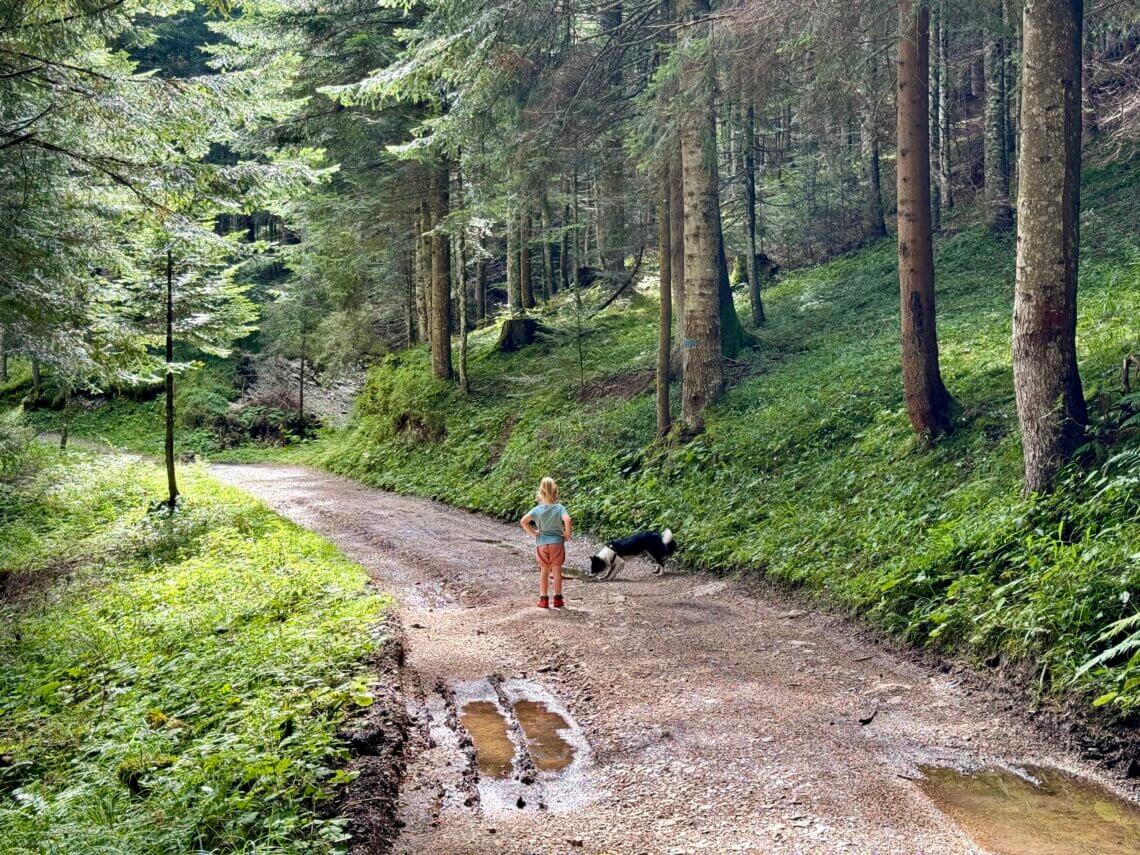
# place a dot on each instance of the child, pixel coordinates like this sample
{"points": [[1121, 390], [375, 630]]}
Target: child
{"points": [[549, 523]]}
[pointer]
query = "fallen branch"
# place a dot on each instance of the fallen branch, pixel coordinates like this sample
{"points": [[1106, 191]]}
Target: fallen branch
{"points": [[621, 288]]}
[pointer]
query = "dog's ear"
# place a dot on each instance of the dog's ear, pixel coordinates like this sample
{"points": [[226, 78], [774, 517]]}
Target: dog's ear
{"points": [[597, 565]]}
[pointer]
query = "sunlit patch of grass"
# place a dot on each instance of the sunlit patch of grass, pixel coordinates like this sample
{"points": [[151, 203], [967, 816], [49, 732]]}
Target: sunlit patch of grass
{"points": [[175, 684]]}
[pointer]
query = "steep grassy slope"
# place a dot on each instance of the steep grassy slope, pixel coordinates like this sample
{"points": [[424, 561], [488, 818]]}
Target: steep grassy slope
{"points": [[170, 685], [809, 471]]}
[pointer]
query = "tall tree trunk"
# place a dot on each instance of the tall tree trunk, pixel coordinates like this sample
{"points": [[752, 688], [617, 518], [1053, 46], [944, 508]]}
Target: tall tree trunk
{"points": [[171, 480], [461, 287], [526, 279], [514, 290], [548, 284], [423, 276], [36, 379], [935, 80], [301, 382], [3, 355], [612, 229], [677, 244], [407, 269], [874, 221], [1050, 401], [995, 156], [665, 287], [1012, 18], [440, 277], [701, 349], [481, 292], [928, 403], [750, 214], [564, 275], [944, 167]]}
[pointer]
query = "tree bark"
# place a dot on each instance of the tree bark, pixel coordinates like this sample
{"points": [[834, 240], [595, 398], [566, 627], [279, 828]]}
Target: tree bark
{"points": [[3, 355], [701, 349], [36, 380], [995, 155], [440, 277], [612, 236], [677, 244], [665, 287], [481, 292], [754, 297], [407, 269], [928, 403], [526, 280], [423, 275], [548, 285], [168, 448], [944, 165], [1047, 382], [874, 221], [935, 80], [514, 291]]}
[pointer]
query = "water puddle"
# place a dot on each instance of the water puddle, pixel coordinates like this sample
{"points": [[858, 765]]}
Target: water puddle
{"points": [[1034, 811], [549, 751], [494, 750]]}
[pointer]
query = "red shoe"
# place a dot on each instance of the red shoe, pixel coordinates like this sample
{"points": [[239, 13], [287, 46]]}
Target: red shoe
{"points": [[559, 603], [544, 602]]}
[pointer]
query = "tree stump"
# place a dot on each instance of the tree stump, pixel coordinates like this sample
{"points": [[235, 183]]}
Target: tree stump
{"points": [[517, 333]]}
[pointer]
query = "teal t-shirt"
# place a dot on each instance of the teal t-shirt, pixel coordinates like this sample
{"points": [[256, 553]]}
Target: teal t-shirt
{"points": [[548, 519]]}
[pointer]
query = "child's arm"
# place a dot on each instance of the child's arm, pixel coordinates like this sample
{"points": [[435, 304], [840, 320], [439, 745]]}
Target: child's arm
{"points": [[567, 527], [528, 525]]}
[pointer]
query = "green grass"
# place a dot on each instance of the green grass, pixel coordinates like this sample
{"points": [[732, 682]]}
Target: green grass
{"points": [[809, 471], [170, 684]]}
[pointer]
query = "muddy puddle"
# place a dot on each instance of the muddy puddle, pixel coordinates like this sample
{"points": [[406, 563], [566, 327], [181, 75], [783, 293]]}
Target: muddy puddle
{"points": [[494, 750], [1034, 811], [542, 726]]}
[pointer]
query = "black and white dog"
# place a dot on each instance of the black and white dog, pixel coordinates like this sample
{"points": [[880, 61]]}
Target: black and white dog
{"points": [[609, 560]]}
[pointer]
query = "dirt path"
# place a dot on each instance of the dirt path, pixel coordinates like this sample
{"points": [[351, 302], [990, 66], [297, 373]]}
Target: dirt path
{"points": [[703, 719]]}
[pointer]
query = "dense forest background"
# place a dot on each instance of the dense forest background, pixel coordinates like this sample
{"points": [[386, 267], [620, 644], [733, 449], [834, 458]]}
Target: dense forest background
{"points": [[682, 255]]}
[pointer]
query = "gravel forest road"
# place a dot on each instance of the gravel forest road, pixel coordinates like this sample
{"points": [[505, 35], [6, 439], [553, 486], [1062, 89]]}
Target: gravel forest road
{"points": [[703, 718]]}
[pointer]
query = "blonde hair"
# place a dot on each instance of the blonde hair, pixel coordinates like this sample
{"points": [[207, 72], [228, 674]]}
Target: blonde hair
{"points": [[547, 492]]}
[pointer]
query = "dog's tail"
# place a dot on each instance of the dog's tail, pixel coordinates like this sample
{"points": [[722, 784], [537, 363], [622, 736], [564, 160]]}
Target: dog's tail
{"points": [[669, 541]]}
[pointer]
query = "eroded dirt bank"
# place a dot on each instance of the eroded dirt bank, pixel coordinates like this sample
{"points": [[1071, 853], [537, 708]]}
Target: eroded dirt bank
{"points": [[701, 718]]}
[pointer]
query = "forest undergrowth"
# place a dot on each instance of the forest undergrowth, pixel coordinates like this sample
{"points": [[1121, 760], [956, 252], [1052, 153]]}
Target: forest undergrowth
{"points": [[171, 684]]}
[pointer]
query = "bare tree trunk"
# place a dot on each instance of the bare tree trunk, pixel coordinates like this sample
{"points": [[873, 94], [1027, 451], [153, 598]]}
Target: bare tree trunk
{"points": [[750, 214], [301, 381], [548, 285], [935, 80], [874, 222], [677, 244], [564, 275], [701, 350], [514, 290], [525, 278], [3, 355], [66, 428], [481, 292], [1050, 400], [440, 277], [665, 287], [612, 233], [927, 401], [461, 291], [423, 276], [407, 270], [995, 157], [37, 381], [171, 480], [944, 166]]}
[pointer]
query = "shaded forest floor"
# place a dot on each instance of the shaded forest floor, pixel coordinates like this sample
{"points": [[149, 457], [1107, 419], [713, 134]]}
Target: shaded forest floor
{"points": [[809, 472]]}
